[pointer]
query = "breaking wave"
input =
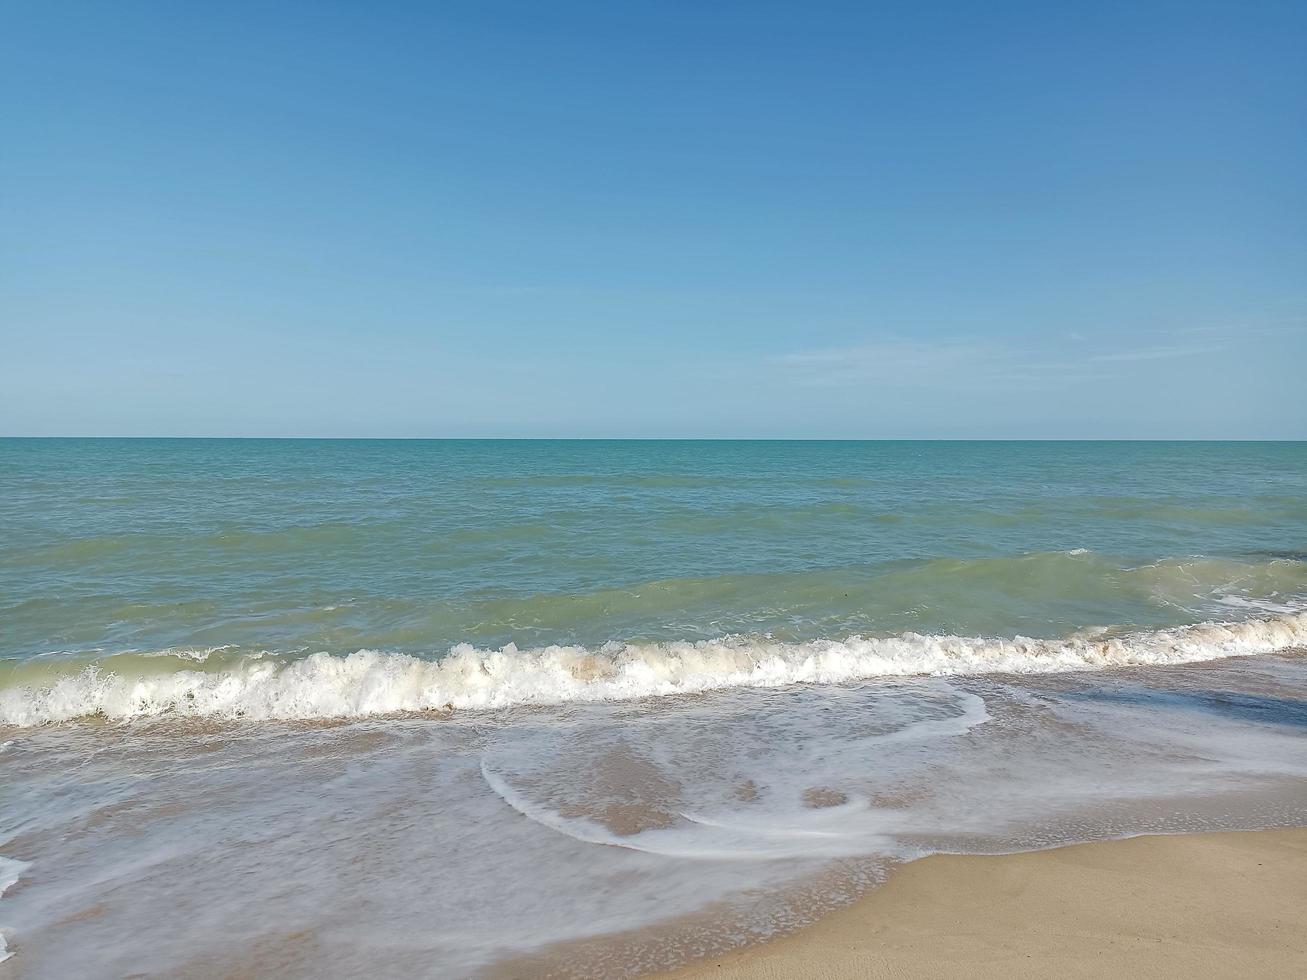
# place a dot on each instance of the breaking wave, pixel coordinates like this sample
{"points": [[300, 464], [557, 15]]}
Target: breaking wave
{"points": [[370, 683]]}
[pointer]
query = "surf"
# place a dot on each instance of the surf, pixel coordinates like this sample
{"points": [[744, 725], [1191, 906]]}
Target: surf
{"points": [[372, 683]]}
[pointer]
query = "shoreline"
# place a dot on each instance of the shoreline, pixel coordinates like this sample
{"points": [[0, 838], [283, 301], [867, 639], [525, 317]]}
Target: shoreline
{"points": [[1221, 904]]}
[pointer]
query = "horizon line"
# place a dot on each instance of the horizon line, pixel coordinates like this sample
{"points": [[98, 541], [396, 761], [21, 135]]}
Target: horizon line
{"points": [[304, 438]]}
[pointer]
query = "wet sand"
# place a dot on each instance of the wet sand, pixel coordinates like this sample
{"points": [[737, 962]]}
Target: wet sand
{"points": [[1199, 905]]}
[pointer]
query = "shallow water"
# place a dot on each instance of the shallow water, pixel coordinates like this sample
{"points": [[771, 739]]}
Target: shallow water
{"points": [[334, 708], [445, 846]]}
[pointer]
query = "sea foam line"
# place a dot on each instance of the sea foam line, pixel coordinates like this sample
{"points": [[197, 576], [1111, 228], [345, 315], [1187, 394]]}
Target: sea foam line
{"points": [[371, 682]]}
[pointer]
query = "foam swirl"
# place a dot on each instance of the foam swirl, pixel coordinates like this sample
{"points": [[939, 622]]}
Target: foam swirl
{"points": [[370, 682]]}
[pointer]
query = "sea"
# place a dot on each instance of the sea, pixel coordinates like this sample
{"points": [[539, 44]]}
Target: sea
{"points": [[318, 708]]}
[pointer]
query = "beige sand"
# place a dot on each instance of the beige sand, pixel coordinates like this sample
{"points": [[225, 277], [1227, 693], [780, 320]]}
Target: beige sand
{"points": [[1204, 905]]}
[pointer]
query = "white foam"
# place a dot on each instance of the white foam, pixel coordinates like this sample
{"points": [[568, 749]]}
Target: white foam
{"points": [[187, 653], [1259, 605], [10, 872], [850, 827], [370, 682]]}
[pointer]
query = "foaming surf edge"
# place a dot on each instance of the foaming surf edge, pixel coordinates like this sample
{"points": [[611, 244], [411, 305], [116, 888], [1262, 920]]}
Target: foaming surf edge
{"points": [[370, 683]]}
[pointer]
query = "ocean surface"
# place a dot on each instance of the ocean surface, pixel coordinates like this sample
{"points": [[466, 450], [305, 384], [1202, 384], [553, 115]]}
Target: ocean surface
{"points": [[574, 708]]}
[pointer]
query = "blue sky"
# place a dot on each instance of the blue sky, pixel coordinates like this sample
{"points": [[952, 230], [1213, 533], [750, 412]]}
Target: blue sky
{"points": [[654, 219]]}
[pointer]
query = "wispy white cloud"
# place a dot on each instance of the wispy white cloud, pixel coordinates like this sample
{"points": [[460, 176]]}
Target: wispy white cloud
{"points": [[944, 363], [961, 362], [888, 353], [1159, 353]]}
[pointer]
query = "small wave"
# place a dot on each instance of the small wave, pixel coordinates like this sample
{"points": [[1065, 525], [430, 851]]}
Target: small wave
{"points": [[199, 655], [370, 683]]}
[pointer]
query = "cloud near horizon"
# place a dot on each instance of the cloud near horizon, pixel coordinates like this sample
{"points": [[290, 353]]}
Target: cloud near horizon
{"points": [[904, 361]]}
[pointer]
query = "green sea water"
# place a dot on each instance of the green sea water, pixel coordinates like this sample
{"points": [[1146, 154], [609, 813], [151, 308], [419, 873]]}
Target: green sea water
{"points": [[215, 551], [113, 545]]}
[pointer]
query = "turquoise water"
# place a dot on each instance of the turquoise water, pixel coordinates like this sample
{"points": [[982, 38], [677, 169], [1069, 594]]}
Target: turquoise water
{"points": [[658, 698], [214, 552], [113, 545]]}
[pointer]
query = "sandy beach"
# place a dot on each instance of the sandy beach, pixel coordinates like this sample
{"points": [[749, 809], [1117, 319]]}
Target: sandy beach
{"points": [[1200, 905]]}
